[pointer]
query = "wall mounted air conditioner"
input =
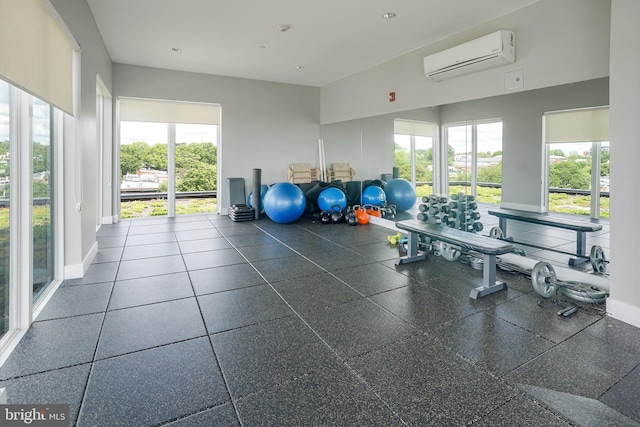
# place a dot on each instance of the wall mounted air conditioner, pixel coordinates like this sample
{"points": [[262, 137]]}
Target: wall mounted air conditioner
{"points": [[492, 50]]}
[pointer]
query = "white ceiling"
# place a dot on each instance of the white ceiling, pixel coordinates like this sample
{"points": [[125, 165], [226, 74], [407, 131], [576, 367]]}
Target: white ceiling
{"points": [[331, 39]]}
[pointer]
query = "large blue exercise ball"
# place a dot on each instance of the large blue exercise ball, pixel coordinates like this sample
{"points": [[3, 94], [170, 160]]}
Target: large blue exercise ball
{"points": [[284, 203], [401, 193], [263, 191], [373, 195], [331, 196]]}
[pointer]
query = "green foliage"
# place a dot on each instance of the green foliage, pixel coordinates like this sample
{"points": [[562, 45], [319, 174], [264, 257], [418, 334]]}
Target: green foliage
{"points": [[570, 174], [201, 177], [490, 174]]}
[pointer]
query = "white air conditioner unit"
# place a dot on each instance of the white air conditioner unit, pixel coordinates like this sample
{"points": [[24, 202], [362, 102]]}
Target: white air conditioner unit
{"points": [[492, 50]]}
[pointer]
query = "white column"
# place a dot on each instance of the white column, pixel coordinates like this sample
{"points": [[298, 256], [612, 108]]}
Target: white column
{"points": [[624, 98]]}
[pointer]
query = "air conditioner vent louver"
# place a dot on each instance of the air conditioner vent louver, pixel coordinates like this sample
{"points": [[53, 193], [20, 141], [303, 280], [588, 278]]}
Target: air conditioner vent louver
{"points": [[492, 50]]}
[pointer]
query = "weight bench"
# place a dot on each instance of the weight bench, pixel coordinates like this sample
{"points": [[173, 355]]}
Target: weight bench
{"points": [[580, 227], [487, 246]]}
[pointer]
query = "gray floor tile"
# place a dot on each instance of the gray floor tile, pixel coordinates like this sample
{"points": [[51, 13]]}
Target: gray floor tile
{"points": [[150, 267], [223, 416], [150, 251], [252, 237], [138, 328], [521, 412], [492, 343], [97, 273], [357, 326], [261, 356], [338, 259], [582, 365], [241, 307], [60, 386], [578, 409], [111, 241], [54, 344], [623, 397], [197, 234], [225, 278], [202, 245], [77, 300], [424, 307], [108, 255], [617, 334], [149, 290], [315, 292], [263, 252], [429, 385], [149, 239], [275, 270], [538, 316], [211, 259], [371, 279], [149, 387], [320, 398]]}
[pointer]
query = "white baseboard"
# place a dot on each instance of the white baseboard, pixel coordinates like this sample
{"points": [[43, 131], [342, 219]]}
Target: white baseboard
{"points": [[623, 312], [521, 207], [107, 220], [76, 271]]}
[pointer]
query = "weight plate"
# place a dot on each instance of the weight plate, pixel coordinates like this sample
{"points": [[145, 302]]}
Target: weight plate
{"points": [[496, 233], [543, 278], [583, 292], [598, 261], [449, 252]]}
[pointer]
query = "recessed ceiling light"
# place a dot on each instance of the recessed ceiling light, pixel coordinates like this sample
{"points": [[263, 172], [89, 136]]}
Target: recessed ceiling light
{"points": [[283, 27], [389, 15]]}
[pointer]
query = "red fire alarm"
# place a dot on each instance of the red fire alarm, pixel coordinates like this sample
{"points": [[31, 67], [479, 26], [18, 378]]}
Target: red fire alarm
{"points": [[392, 96]]}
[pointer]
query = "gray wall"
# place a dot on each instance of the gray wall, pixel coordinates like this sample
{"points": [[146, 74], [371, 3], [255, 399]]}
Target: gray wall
{"points": [[264, 125], [81, 174], [557, 42]]}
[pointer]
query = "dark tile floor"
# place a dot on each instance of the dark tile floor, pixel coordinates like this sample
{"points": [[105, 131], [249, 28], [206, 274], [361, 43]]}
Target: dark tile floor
{"points": [[199, 320]]}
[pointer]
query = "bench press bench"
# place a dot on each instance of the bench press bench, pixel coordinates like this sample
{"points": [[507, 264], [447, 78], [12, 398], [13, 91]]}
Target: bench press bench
{"points": [[580, 227], [487, 246]]}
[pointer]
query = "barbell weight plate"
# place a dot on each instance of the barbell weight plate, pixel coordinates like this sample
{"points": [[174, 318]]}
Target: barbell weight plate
{"points": [[448, 252], [597, 258], [583, 292], [496, 233], [543, 278]]}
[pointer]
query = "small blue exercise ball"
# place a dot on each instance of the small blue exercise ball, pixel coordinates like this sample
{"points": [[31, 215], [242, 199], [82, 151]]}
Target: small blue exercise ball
{"points": [[401, 193], [263, 191], [331, 196], [284, 203], [373, 195]]}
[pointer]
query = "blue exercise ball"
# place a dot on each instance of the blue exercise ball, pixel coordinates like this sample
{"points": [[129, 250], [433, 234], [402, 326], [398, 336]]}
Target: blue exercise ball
{"points": [[284, 203], [331, 196], [263, 191], [373, 195], [401, 193]]}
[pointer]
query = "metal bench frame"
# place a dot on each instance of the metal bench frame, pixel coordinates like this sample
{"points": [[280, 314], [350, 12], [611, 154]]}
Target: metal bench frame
{"points": [[488, 247], [581, 229]]}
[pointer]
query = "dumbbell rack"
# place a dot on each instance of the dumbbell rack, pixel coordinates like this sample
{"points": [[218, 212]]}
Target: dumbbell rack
{"points": [[460, 212]]}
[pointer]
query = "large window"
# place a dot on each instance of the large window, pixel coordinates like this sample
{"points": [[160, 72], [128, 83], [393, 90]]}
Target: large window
{"points": [[474, 157], [42, 159], [27, 178], [577, 161], [413, 154], [168, 157], [5, 205]]}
